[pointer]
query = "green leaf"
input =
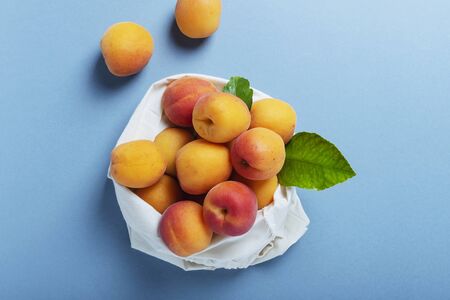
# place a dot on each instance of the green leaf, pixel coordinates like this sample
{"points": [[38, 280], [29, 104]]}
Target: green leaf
{"points": [[240, 87], [313, 163]]}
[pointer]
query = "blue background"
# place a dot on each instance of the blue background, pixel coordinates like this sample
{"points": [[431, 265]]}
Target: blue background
{"points": [[371, 76]]}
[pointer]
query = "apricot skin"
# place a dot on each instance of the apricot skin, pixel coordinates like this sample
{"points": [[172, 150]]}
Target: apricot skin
{"points": [[137, 164], [127, 48], [201, 165], [169, 141], [258, 154], [264, 189], [275, 115], [180, 97], [220, 117], [162, 194], [198, 18], [230, 208], [183, 230]]}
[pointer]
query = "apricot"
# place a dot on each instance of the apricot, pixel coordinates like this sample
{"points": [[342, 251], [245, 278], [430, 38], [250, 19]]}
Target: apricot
{"points": [[169, 141], [183, 229], [220, 117], [264, 189], [161, 194], [180, 97], [275, 115], [198, 18], [258, 154], [201, 165], [230, 208], [126, 47], [137, 164]]}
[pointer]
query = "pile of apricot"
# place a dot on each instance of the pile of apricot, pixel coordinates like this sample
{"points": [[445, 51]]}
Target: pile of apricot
{"points": [[213, 168]]}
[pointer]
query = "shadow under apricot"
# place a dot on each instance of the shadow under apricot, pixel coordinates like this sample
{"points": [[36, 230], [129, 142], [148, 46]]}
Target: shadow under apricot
{"points": [[182, 41], [103, 79]]}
